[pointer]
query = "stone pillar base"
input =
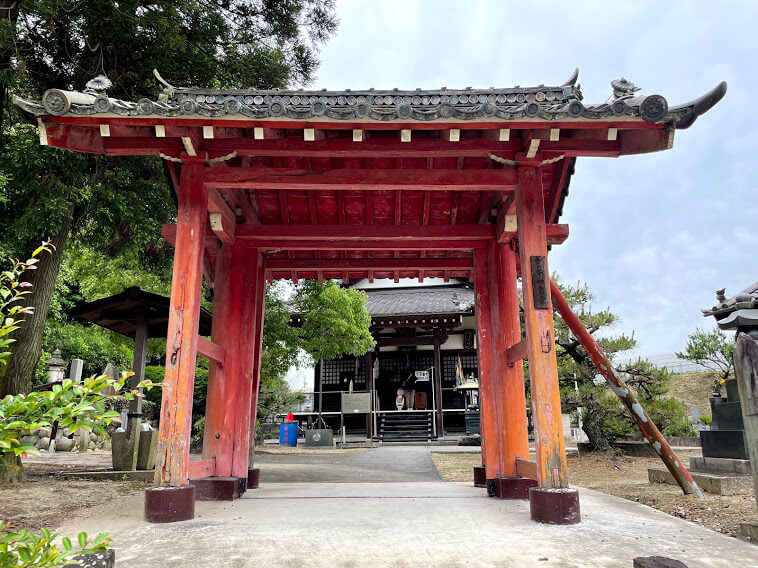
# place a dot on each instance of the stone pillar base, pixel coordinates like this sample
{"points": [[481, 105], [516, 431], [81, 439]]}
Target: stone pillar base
{"points": [[480, 477], [169, 504], [513, 487], [491, 488], [217, 488], [554, 506], [253, 478]]}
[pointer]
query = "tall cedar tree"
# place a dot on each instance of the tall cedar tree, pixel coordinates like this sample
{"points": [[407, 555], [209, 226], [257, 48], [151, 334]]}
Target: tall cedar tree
{"points": [[117, 205]]}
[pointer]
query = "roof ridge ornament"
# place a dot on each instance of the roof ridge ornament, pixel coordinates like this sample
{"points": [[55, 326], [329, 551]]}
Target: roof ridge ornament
{"points": [[623, 88], [572, 80], [98, 85], [168, 88]]}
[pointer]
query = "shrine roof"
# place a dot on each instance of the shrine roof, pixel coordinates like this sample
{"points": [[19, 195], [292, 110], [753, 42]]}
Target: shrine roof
{"points": [[420, 301], [739, 311], [119, 313], [540, 103]]}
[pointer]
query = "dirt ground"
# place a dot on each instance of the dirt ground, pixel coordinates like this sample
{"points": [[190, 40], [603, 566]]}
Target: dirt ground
{"points": [[46, 500], [627, 477]]}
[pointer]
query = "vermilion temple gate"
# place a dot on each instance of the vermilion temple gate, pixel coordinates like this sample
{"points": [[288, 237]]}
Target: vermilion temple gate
{"points": [[363, 184]]}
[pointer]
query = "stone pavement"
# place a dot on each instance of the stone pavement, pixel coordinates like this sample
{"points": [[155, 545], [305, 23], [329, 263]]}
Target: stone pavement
{"points": [[403, 524], [379, 465]]}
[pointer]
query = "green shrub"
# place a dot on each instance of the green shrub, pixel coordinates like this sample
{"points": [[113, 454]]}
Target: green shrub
{"points": [[26, 549]]}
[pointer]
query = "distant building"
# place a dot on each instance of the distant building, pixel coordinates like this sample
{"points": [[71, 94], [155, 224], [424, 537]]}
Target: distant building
{"points": [[421, 332], [668, 361]]}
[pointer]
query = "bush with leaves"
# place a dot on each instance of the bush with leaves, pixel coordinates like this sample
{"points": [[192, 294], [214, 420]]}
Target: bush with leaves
{"points": [[713, 350], [26, 549]]}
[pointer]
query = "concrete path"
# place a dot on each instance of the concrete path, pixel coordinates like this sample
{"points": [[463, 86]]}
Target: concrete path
{"points": [[378, 465], [429, 524]]}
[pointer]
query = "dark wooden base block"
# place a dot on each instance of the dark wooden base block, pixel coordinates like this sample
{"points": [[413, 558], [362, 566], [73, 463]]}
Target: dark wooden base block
{"points": [[554, 506], [102, 559], [513, 487], [217, 488], [253, 478], [480, 477], [169, 504]]}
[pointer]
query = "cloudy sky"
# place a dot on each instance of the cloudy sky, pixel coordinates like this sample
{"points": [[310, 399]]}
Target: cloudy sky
{"points": [[653, 235]]}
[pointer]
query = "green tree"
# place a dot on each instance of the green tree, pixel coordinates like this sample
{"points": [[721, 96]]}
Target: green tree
{"points": [[603, 416], [335, 321], [712, 350], [114, 207]]}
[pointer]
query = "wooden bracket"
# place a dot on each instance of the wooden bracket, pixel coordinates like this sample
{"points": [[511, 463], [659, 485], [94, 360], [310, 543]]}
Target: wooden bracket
{"points": [[525, 468], [516, 352], [210, 350], [221, 217], [201, 468]]}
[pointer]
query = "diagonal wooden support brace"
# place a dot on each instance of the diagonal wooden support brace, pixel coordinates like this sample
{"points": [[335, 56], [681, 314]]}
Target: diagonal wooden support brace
{"points": [[627, 397]]}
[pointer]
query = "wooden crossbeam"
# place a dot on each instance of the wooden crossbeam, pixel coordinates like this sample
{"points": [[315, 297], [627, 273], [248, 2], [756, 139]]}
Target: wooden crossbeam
{"points": [[526, 468], [516, 352], [201, 468], [555, 233], [377, 264], [366, 232], [373, 179], [368, 148], [210, 350]]}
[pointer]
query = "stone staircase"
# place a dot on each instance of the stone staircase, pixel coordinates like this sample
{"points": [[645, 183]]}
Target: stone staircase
{"points": [[405, 426]]}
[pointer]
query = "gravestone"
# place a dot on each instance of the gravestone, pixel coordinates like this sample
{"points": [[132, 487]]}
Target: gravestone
{"points": [[726, 438]]}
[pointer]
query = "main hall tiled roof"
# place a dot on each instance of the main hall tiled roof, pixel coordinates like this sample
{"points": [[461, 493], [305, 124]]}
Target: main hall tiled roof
{"points": [[420, 301]]}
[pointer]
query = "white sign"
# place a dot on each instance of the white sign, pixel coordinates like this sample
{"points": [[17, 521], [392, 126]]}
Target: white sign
{"points": [[422, 375]]}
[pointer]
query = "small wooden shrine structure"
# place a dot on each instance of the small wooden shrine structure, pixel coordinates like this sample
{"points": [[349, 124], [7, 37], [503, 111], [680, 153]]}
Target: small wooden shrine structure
{"points": [[139, 315], [292, 184]]}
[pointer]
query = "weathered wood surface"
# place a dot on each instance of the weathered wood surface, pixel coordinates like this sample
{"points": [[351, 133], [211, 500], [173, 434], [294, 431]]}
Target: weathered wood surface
{"points": [[487, 378], [260, 303], [184, 317], [511, 398], [248, 347], [746, 371], [368, 179], [540, 336], [219, 416]]}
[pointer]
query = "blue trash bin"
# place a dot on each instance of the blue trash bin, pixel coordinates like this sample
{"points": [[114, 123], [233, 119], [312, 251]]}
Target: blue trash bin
{"points": [[288, 434]]}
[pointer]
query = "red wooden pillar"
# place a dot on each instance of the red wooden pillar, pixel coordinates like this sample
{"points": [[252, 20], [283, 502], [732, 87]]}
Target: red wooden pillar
{"points": [[230, 385], [253, 473], [173, 499], [513, 431], [552, 501], [487, 378], [218, 438], [249, 350]]}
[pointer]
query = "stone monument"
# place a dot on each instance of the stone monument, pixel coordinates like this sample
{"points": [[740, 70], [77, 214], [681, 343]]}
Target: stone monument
{"points": [[740, 314]]}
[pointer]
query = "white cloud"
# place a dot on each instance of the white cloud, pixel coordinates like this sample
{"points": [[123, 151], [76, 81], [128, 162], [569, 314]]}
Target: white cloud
{"points": [[653, 235]]}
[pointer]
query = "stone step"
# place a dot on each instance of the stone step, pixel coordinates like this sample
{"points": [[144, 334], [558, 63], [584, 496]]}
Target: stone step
{"points": [[720, 466], [716, 484]]}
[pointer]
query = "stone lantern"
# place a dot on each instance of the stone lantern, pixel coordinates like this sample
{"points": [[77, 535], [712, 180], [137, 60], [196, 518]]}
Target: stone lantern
{"points": [[56, 367]]}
